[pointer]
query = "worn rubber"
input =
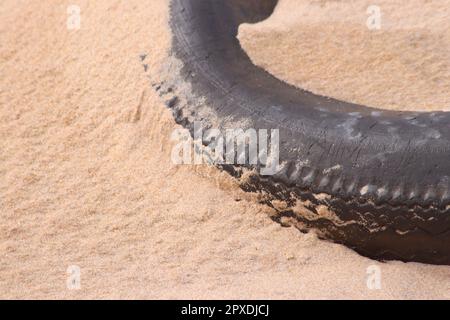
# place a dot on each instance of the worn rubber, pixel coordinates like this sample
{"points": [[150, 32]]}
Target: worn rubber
{"points": [[383, 174]]}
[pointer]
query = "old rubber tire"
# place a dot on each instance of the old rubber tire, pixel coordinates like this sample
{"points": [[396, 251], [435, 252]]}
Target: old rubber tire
{"points": [[384, 175]]}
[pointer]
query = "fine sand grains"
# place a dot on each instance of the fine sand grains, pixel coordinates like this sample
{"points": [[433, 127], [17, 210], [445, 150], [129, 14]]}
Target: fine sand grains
{"points": [[326, 46], [86, 180]]}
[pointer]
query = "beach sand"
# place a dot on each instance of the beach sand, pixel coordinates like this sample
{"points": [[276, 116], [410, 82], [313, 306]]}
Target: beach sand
{"points": [[87, 180], [341, 49]]}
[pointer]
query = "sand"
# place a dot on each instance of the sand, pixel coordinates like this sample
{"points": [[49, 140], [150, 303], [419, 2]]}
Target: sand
{"points": [[326, 47], [87, 181]]}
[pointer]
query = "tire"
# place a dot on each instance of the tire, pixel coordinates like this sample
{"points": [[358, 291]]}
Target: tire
{"points": [[383, 175]]}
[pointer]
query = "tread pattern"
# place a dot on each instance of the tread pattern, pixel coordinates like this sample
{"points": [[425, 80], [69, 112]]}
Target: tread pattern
{"points": [[385, 216]]}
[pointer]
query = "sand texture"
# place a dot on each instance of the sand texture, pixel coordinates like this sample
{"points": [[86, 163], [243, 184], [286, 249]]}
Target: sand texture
{"points": [[86, 179], [326, 47]]}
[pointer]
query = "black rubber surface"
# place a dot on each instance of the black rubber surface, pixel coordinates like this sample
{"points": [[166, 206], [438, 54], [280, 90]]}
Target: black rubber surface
{"points": [[387, 172]]}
